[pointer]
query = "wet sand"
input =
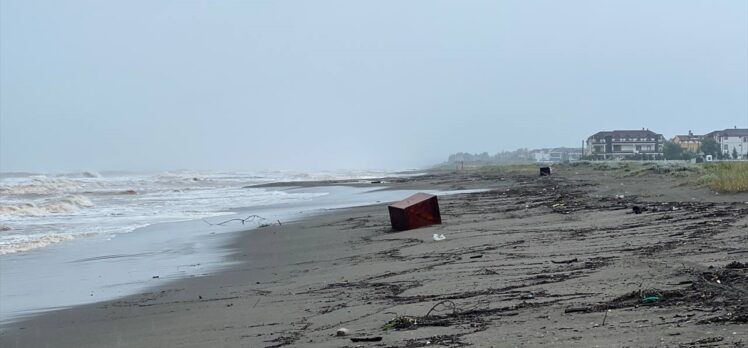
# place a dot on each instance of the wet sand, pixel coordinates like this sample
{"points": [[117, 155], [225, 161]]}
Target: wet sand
{"points": [[559, 261]]}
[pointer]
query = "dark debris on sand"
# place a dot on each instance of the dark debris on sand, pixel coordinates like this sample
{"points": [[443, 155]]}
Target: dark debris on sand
{"points": [[724, 290]]}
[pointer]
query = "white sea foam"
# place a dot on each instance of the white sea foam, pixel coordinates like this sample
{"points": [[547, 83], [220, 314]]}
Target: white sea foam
{"points": [[40, 185], [19, 243], [65, 205], [40, 210]]}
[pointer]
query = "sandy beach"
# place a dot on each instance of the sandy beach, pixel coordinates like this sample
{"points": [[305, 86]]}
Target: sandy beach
{"points": [[554, 261]]}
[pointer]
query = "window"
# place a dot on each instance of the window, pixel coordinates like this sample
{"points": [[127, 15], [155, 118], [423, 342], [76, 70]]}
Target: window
{"points": [[617, 148], [725, 147]]}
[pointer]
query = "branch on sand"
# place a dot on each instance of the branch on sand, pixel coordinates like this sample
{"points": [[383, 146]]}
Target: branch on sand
{"points": [[255, 218], [565, 261], [445, 302]]}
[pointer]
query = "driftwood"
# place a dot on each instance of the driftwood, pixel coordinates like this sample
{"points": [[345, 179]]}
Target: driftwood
{"points": [[577, 309], [454, 307], [255, 218], [565, 261]]}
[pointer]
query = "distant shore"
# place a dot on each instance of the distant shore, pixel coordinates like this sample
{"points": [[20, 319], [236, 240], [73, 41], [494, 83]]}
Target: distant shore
{"points": [[533, 262]]}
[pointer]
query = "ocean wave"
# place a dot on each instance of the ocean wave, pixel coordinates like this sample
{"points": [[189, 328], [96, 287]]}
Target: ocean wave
{"points": [[41, 186], [59, 205], [67, 204], [119, 192], [91, 175], [78, 175], [25, 243], [181, 176]]}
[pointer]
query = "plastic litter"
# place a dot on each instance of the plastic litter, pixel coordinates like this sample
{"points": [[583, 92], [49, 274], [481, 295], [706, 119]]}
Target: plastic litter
{"points": [[343, 332], [651, 299], [400, 322], [438, 237]]}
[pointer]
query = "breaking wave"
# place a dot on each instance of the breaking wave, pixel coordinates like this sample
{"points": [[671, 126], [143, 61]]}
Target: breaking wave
{"points": [[65, 205], [41, 186], [26, 243], [37, 210]]}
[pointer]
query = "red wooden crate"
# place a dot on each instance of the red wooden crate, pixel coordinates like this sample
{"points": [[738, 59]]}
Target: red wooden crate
{"points": [[418, 210]]}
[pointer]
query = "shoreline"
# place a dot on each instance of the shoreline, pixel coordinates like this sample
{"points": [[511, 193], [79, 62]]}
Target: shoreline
{"points": [[506, 265], [106, 268]]}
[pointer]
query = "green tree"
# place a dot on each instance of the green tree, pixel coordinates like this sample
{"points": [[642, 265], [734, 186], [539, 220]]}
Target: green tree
{"points": [[710, 147], [672, 151], [734, 153]]}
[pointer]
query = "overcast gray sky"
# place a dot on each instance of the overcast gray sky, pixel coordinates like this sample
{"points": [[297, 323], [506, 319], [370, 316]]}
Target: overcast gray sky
{"points": [[252, 85]]}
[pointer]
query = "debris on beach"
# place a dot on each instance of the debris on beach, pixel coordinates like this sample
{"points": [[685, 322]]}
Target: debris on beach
{"points": [[719, 292], [259, 220], [401, 323], [441, 340], [565, 261], [407, 322], [418, 210], [736, 265], [366, 339], [342, 332], [438, 237], [546, 171]]}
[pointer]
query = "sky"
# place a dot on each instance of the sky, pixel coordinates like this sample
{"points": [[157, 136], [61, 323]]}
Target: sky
{"points": [[310, 85]]}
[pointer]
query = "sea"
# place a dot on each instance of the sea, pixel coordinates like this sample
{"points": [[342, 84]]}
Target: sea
{"points": [[38, 210], [82, 238]]}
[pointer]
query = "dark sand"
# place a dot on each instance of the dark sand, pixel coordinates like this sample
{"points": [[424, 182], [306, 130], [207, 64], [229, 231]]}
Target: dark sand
{"points": [[534, 262]]}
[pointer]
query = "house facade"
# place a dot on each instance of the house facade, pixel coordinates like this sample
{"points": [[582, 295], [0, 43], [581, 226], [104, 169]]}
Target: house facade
{"points": [[732, 139], [566, 154], [559, 154], [541, 155], [690, 142], [625, 144]]}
